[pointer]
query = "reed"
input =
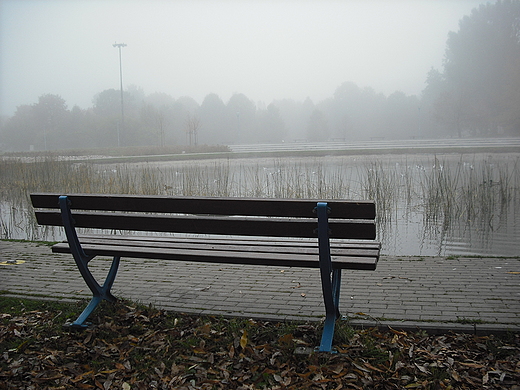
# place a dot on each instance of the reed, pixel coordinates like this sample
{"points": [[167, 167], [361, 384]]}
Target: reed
{"points": [[381, 185], [444, 190]]}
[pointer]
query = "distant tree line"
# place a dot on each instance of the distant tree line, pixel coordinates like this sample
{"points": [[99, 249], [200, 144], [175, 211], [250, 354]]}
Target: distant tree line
{"points": [[477, 93]]}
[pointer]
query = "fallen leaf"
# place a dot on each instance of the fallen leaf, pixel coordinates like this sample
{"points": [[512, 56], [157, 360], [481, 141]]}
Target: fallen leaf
{"points": [[414, 386], [422, 369], [368, 365], [243, 340], [402, 333], [205, 329], [455, 376], [273, 358], [337, 369], [472, 365], [286, 339], [361, 367], [108, 371], [83, 386]]}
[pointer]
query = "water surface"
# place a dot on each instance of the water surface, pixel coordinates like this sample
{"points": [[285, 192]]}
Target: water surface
{"points": [[427, 205]]}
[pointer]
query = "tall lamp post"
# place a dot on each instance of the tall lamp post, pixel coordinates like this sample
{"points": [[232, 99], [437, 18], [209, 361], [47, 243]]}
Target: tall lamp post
{"points": [[238, 127], [119, 46]]}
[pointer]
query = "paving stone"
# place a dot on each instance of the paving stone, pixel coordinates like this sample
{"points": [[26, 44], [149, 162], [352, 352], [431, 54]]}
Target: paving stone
{"points": [[430, 293]]}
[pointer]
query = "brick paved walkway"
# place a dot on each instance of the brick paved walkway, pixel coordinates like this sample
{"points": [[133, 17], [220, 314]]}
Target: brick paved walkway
{"points": [[432, 293]]}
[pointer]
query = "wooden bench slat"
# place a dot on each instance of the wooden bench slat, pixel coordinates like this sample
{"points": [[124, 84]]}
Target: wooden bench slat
{"points": [[254, 226], [237, 240], [206, 205], [271, 247], [227, 257]]}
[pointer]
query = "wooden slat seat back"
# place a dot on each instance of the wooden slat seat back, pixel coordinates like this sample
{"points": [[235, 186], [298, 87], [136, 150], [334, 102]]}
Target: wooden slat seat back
{"points": [[204, 215]]}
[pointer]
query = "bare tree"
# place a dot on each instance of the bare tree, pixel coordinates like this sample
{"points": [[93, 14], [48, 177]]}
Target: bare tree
{"points": [[192, 129]]}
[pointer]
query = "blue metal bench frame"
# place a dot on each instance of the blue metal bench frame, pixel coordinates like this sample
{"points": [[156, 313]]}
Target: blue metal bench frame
{"points": [[99, 292], [330, 278]]}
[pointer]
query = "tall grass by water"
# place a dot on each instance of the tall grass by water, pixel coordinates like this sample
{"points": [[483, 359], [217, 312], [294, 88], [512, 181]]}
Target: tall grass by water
{"points": [[445, 190]]}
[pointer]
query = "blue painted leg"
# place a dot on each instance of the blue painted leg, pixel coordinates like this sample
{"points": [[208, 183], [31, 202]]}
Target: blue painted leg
{"points": [[330, 279], [82, 318], [100, 293], [336, 288], [109, 281], [82, 259], [332, 314]]}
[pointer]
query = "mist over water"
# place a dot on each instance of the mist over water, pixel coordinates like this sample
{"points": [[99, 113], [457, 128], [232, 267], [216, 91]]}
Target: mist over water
{"points": [[427, 205]]}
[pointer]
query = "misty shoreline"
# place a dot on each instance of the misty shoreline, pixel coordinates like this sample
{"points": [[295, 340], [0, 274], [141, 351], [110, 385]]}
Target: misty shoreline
{"points": [[326, 149]]}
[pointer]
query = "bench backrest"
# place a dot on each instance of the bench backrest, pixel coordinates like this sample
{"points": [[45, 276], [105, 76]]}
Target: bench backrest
{"points": [[206, 215]]}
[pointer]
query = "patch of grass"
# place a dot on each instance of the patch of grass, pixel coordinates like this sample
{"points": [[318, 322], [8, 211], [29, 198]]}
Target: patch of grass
{"points": [[464, 320], [500, 347], [20, 306], [411, 258], [343, 332], [46, 243], [452, 257], [439, 375]]}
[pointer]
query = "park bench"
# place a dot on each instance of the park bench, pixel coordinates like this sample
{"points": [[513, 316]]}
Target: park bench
{"points": [[329, 235]]}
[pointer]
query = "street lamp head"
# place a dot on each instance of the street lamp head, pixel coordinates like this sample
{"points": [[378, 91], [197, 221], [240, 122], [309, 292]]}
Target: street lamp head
{"points": [[119, 44]]}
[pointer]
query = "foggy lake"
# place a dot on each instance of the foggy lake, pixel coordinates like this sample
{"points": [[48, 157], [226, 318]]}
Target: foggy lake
{"points": [[427, 205], [407, 225]]}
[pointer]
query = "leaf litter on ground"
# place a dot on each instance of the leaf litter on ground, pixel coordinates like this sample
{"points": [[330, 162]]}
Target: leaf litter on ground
{"points": [[137, 347]]}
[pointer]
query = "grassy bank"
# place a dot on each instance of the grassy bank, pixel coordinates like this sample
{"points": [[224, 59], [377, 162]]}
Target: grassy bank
{"points": [[133, 154], [136, 347]]}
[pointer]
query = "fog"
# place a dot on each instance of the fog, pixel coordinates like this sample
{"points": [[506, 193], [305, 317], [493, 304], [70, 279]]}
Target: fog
{"points": [[266, 50]]}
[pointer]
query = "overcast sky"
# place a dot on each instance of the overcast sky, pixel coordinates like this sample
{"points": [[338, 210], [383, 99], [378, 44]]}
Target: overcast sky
{"points": [[265, 49]]}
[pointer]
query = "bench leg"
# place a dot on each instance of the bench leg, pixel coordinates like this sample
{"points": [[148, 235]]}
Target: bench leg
{"points": [[331, 292], [99, 292], [82, 259], [330, 279]]}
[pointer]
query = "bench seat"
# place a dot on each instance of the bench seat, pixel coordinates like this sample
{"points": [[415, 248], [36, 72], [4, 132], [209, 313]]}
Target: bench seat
{"points": [[269, 252]]}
